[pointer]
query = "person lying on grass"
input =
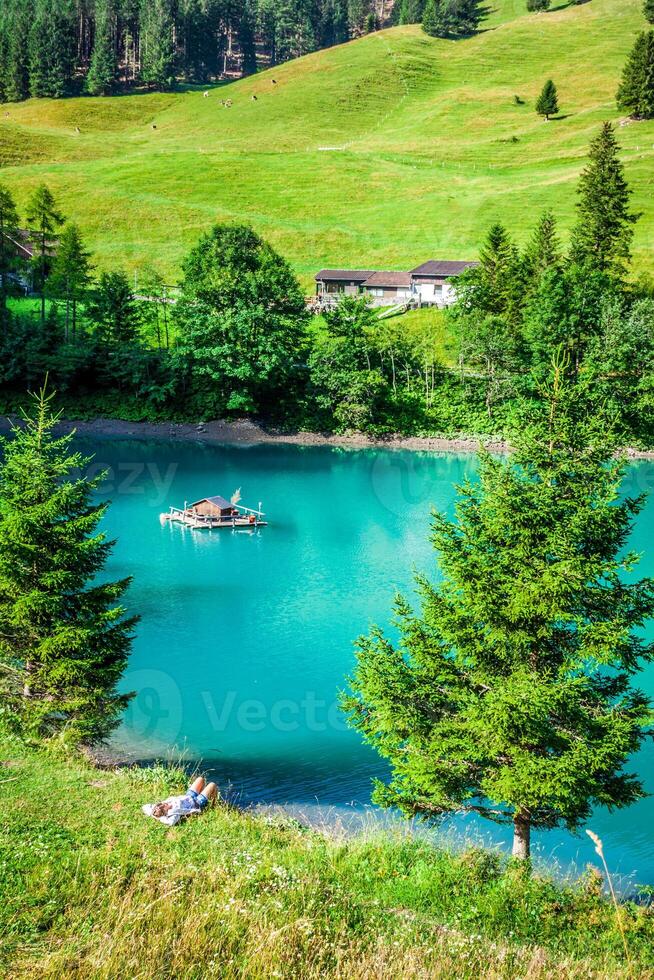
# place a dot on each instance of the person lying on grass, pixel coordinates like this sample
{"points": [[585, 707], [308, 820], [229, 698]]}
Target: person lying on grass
{"points": [[176, 808]]}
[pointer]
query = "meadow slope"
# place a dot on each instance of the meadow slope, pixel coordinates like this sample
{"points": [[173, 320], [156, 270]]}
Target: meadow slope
{"points": [[379, 153], [91, 888]]}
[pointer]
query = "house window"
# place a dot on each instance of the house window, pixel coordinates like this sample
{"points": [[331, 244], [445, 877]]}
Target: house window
{"points": [[376, 292]]}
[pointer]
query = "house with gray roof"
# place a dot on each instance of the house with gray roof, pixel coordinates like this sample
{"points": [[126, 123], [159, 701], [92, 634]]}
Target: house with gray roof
{"points": [[429, 284]]}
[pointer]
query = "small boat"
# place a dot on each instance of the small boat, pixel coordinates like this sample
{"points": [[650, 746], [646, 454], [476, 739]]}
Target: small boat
{"points": [[214, 512]]}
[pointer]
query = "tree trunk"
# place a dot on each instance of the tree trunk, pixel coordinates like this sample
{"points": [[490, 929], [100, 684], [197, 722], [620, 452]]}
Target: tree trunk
{"points": [[521, 835]]}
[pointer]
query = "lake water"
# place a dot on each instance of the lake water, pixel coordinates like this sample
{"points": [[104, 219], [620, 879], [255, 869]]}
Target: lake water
{"points": [[246, 638]]}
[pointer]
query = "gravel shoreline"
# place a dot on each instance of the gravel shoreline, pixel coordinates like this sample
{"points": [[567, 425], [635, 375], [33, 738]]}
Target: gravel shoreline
{"points": [[246, 432]]}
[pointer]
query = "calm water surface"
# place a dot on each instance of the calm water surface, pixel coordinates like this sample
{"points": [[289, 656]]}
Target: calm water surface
{"points": [[245, 638]]}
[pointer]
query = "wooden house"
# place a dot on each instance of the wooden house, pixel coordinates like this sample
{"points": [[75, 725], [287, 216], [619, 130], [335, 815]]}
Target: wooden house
{"points": [[433, 281], [217, 508], [336, 281], [388, 288], [429, 284]]}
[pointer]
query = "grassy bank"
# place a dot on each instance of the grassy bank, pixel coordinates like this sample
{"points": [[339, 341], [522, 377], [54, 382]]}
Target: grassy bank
{"points": [[379, 153], [92, 888]]}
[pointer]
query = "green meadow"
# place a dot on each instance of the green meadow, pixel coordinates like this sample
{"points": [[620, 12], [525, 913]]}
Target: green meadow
{"points": [[377, 154], [90, 887]]}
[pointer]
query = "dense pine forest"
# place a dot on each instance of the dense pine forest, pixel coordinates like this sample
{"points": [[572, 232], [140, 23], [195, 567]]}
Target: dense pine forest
{"points": [[55, 48]]}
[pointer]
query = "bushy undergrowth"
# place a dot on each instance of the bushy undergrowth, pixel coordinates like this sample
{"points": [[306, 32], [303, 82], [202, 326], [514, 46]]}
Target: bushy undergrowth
{"points": [[92, 888]]}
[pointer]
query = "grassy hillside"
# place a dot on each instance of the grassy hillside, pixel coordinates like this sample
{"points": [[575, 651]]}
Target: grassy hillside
{"points": [[90, 887], [379, 153]]}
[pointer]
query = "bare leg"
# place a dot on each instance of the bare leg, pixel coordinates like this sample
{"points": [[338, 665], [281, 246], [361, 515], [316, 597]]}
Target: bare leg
{"points": [[210, 791], [198, 784]]}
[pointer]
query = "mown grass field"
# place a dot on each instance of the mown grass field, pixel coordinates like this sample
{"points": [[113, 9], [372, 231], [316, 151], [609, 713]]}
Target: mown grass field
{"points": [[380, 153], [90, 887]]}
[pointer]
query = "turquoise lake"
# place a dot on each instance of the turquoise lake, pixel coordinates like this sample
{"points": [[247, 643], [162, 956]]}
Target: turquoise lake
{"points": [[245, 638]]}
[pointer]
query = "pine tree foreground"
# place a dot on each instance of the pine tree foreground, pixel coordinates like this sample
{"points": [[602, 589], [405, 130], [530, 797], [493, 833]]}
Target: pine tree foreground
{"points": [[64, 639], [510, 694]]}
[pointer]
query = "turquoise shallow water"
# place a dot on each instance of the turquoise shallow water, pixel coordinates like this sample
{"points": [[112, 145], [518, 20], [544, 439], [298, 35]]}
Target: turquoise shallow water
{"points": [[245, 638]]}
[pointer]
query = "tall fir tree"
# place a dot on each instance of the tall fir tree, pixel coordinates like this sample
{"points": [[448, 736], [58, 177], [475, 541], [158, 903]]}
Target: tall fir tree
{"points": [[16, 64], [246, 37], [604, 229], [510, 693], [52, 49], [157, 47], [63, 633], [43, 220], [636, 91], [70, 276], [430, 19], [499, 272], [115, 313], [9, 223], [103, 70], [454, 18], [547, 103], [411, 11], [543, 251]]}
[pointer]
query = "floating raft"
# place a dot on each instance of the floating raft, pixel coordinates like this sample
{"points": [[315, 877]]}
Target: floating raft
{"points": [[216, 512]]}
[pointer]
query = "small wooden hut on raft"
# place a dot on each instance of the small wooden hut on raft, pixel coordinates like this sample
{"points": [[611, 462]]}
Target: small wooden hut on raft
{"points": [[210, 512], [215, 507]]}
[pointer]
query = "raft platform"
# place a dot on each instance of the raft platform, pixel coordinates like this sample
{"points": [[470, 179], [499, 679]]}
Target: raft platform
{"points": [[211, 513]]}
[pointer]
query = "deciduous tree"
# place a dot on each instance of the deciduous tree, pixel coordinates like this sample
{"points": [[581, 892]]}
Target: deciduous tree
{"points": [[241, 317]]}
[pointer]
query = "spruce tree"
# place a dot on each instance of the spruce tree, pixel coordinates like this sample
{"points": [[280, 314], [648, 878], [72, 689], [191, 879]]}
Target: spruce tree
{"points": [[430, 23], [411, 11], [103, 69], [63, 633], [52, 49], [547, 103], [537, 6], [9, 223], [510, 692], [648, 10], [636, 91], [16, 70], [4, 48], [43, 220], [114, 311], [543, 250], [499, 272], [70, 277], [604, 227], [454, 18], [157, 48]]}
